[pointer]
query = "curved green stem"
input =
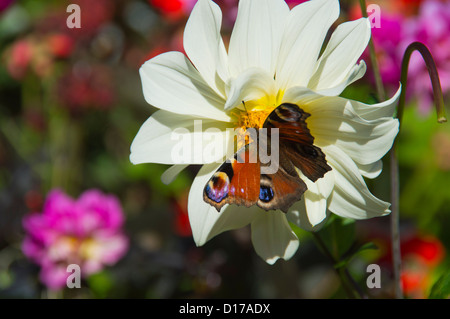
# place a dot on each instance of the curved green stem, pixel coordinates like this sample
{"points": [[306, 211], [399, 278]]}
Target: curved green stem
{"points": [[434, 76]]}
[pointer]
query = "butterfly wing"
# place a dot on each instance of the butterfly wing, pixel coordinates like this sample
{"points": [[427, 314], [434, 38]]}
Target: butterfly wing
{"points": [[295, 136], [236, 181], [283, 188], [240, 182]]}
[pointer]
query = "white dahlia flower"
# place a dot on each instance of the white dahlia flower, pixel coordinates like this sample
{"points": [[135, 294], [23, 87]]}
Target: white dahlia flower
{"points": [[274, 57]]}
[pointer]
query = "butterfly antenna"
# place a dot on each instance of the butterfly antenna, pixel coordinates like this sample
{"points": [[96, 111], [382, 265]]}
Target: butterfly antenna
{"points": [[245, 108]]}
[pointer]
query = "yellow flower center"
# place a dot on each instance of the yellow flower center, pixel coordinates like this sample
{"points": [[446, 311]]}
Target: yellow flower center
{"points": [[75, 248], [255, 119], [254, 115], [89, 249]]}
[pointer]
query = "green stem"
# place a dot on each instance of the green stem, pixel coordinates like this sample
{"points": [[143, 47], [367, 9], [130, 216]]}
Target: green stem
{"points": [[394, 176], [65, 137], [395, 223], [381, 93], [349, 285]]}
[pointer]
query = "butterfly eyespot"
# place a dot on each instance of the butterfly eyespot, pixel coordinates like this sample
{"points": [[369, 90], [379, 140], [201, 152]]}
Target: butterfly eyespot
{"points": [[266, 194], [286, 114], [217, 188]]}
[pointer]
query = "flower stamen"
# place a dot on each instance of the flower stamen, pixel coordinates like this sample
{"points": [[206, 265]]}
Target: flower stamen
{"points": [[246, 119]]}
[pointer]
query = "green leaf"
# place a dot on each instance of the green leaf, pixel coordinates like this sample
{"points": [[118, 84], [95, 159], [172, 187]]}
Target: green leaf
{"points": [[338, 235], [353, 251], [441, 288]]}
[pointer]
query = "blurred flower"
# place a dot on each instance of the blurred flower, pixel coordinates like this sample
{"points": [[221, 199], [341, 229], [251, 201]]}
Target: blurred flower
{"points": [[94, 15], [86, 232], [173, 9], [61, 45], [420, 256], [404, 7], [273, 58], [18, 58], [37, 53], [86, 86], [388, 37], [408, 6], [428, 249], [181, 221], [4, 4], [33, 200]]}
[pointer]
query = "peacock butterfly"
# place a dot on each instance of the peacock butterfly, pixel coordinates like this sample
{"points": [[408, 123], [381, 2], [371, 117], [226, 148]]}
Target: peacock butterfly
{"points": [[243, 181]]}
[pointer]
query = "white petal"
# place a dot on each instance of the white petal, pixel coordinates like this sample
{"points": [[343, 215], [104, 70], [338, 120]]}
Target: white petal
{"points": [[171, 173], [371, 170], [364, 142], [306, 28], [251, 85], [337, 62], [298, 216], [203, 43], [311, 210], [300, 96], [170, 82], [256, 37], [169, 138], [205, 221], [316, 197], [351, 198], [355, 74], [375, 111], [272, 237]]}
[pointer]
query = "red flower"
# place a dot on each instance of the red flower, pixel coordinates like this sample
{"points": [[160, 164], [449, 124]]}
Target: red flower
{"points": [[168, 6], [61, 45], [428, 249], [85, 87], [420, 256], [182, 227]]}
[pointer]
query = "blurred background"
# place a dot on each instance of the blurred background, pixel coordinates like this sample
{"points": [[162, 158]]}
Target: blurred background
{"points": [[71, 103]]}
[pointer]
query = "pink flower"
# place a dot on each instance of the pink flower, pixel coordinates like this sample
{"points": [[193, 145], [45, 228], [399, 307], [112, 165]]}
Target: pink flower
{"points": [[86, 232], [18, 58], [388, 39], [4, 4]]}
